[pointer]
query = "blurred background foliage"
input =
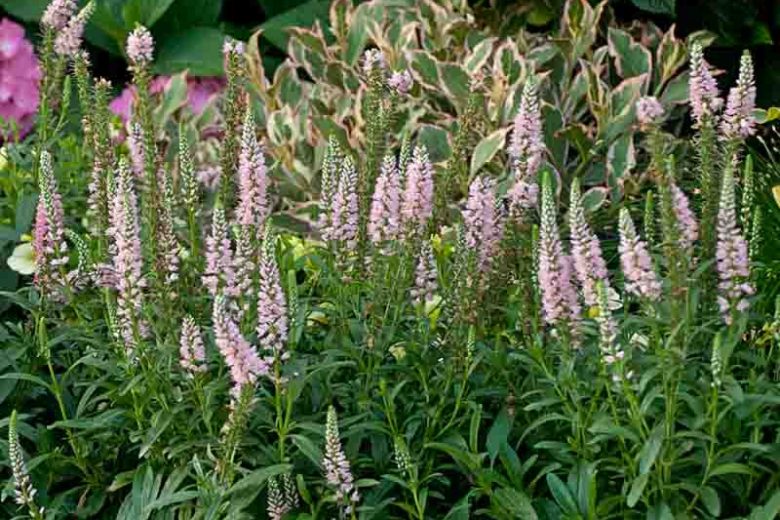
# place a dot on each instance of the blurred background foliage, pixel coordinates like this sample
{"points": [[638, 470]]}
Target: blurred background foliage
{"points": [[190, 32]]}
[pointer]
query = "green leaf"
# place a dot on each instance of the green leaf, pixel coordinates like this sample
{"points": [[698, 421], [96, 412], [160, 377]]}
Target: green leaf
{"points": [[25, 10], [25, 210], [768, 511], [631, 59], [183, 14], [498, 434], [18, 376], [650, 451], [656, 6], [275, 7], [308, 448], [561, 494], [436, 141], [487, 148], [731, 467], [514, 503], [144, 12], [198, 50], [637, 488], [710, 499], [460, 511], [304, 15]]}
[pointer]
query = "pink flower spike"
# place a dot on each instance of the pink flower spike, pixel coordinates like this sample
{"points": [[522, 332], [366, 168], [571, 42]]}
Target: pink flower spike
{"points": [[191, 350], [649, 110], [49, 232], [384, 219], [686, 220], [589, 262], [337, 468], [703, 90], [253, 207], [417, 198], [400, 81], [272, 323], [68, 41], [640, 277], [526, 145], [140, 46], [219, 275], [484, 222], [425, 276], [738, 120], [57, 14]]}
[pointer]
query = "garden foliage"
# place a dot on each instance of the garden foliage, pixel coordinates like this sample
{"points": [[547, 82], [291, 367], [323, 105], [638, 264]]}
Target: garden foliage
{"points": [[498, 311]]}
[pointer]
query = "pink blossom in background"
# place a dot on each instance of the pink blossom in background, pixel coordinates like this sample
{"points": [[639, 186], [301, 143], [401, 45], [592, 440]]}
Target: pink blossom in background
{"points": [[200, 92], [19, 79]]}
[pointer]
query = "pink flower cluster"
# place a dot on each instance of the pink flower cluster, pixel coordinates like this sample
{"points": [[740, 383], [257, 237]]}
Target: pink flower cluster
{"points": [[68, 40], [526, 149], [425, 276], [127, 258], [738, 120], [200, 92], [49, 232], [731, 256], [417, 197], [559, 298], [20, 76], [272, 322], [649, 110], [400, 81], [140, 46], [703, 90], [641, 278], [219, 275], [686, 220], [589, 262], [384, 222], [343, 226], [253, 207], [484, 222], [240, 356], [337, 468], [191, 351], [57, 14]]}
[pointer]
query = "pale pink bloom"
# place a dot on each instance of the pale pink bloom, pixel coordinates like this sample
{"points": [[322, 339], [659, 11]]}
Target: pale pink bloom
{"points": [[484, 222], [703, 90], [559, 298], [140, 46], [219, 275], [241, 358], [384, 221], [168, 243], [526, 145], [732, 256], [136, 144], [231, 46], [344, 208], [57, 14], [253, 207], [425, 276], [209, 177], [738, 120], [68, 40], [649, 110], [522, 196], [127, 261], [686, 220], [417, 197], [191, 351], [49, 232], [272, 323], [400, 81], [640, 276], [336, 465], [589, 262], [373, 58]]}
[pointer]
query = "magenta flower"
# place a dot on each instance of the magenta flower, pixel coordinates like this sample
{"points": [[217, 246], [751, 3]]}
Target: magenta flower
{"points": [[19, 79], [336, 465], [703, 90], [686, 220], [738, 120], [68, 40], [589, 262], [526, 145], [344, 208], [58, 13], [140, 46], [417, 197], [484, 222], [559, 298], [219, 275], [253, 207], [425, 276], [49, 232], [272, 323], [127, 261], [640, 276], [191, 351], [240, 356], [731, 255], [649, 110], [384, 221]]}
